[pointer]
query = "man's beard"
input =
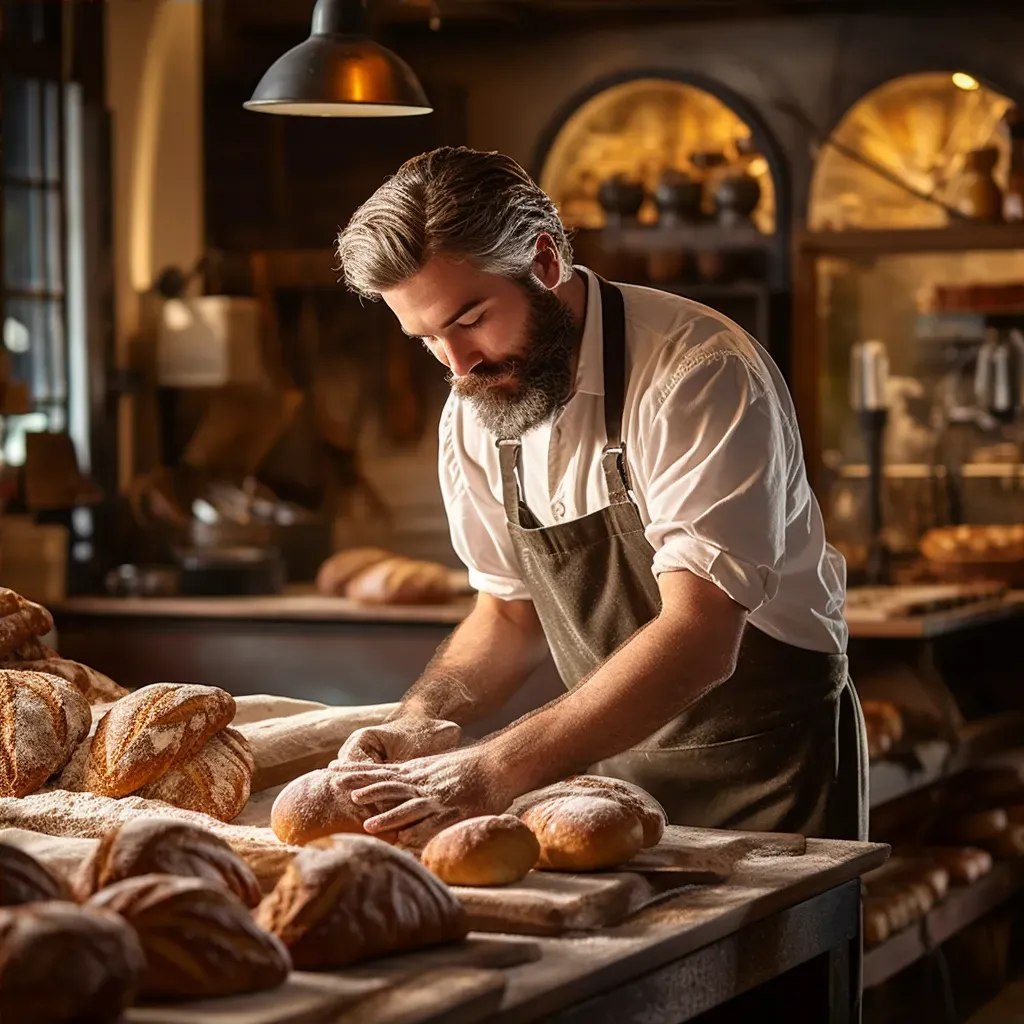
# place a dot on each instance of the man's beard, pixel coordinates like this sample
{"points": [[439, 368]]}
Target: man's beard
{"points": [[541, 376]]}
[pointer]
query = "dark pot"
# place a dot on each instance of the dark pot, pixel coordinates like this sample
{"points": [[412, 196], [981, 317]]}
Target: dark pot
{"points": [[736, 198], [620, 198], [678, 197]]}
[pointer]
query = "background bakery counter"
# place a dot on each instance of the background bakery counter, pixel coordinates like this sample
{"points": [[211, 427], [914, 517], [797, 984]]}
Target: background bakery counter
{"points": [[296, 645]]}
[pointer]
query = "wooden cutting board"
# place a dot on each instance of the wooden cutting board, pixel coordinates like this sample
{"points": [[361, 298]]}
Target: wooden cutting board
{"points": [[552, 903], [458, 983]]}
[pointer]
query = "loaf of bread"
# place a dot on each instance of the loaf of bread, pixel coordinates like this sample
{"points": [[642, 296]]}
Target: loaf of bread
{"points": [[215, 780], [44, 718], [981, 788], [94, 686], [335, 573], [963, 864], [1007, 844], [357, 900], [651, 814], [975, 828], [583, 833], [876, 921], [24, 880], [60, 963], [495, 849], [150, 731], [163, 846], [21, 621], [315, 805], [200, 940], [401, 581]]}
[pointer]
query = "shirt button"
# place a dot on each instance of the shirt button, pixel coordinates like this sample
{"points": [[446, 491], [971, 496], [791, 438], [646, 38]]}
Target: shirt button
{"points": [[558, 509]]}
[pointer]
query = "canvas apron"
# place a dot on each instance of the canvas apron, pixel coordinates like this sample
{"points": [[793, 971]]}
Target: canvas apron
{"points": [[779, 746]]}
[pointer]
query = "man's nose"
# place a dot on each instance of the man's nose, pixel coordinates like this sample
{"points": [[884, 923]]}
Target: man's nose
{"points": [[460, 359]]}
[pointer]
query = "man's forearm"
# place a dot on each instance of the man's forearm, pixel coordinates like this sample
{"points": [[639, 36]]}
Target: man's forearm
{"points": [[484, 662]]}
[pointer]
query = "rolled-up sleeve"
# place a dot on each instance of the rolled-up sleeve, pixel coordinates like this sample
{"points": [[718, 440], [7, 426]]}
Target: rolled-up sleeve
{"points": [[714, 453], [476, 518]]}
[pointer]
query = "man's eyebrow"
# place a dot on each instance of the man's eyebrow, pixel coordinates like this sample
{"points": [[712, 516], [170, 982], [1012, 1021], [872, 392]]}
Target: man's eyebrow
{"points": [[458, 315]]}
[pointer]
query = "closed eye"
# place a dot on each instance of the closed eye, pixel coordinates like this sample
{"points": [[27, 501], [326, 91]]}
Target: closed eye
{"points": [[476, 323]]}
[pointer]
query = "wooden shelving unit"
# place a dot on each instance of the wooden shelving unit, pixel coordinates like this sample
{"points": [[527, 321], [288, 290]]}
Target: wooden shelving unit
{"points": [[696, 237]]}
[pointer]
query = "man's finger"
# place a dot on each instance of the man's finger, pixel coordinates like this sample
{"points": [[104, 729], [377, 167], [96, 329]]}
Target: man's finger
{"points": [[402, 816], [363, 745], [356, 776], [379, 792]]}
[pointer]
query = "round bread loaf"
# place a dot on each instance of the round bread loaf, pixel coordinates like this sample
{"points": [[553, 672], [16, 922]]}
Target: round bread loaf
{"points": [[60, 963], [334, 574], [399, 580], [44, 718], [21, 621], [494, 849], [215, 781], [24, 880], [199, 939], [318, 804], [651, 814], [583, 833], [357, 900], [152, 730], [164, 846], [94, 686]]}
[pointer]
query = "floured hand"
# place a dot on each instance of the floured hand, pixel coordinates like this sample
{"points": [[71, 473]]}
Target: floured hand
{"points": [[399, 740]]}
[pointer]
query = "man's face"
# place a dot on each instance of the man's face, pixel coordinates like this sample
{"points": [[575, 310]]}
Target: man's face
{"points": [[508, 345]]}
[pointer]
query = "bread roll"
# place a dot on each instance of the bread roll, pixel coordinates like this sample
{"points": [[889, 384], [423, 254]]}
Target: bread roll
{"points": [[885, 716], [215, 781], [651, 814], [979, 788], [876, 922], [358, 900], [318, 804], [583, 833], [20, 621], [61, 963], [401, 581], [94, 686], [335, 573], [152, 730], [163, 846], [963, 864], [974, 828], [24, 880], [1007, 844], [199, 939], [44, 719], [495, 849]]}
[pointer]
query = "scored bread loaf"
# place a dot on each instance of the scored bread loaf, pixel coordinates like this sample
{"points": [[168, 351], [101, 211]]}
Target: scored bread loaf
{"points": [[318, 804], [401, 581], [215, 780], [44, 718], [199, 939], [336, 572], [23, 879], [94, 686], [651, 814], [357, 900], [495, 849], [150, 731], [583, 833], [163, 846], [21, 621], [60, 963]]}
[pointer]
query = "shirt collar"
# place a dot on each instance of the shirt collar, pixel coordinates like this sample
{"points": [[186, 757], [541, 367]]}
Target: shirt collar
{"points": [[590, 367]]}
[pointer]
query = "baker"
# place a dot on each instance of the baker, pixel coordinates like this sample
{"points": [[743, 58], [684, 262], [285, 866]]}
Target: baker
{"points": [[624, 480]]}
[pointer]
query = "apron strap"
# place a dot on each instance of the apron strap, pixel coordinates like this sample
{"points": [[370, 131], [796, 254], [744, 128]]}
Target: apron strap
{"points": [[613, 348], [511, 492]]}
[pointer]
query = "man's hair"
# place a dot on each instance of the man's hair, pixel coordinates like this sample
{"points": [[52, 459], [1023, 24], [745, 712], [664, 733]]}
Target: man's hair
{"points": [[456, 202]]}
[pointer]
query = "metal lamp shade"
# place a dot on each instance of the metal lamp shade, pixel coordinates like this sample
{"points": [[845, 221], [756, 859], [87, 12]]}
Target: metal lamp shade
{"points": [[339, 72]]}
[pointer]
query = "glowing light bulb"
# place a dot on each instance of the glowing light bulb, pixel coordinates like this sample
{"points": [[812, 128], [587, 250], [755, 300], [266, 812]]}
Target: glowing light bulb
{"points": [[964, 81]]}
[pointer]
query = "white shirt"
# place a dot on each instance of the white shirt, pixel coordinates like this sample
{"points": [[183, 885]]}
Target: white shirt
{"points": [[715, 462]]}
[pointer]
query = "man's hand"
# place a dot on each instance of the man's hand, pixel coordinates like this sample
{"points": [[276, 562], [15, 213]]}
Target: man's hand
{"points": [[402, 739], [434, 791]]}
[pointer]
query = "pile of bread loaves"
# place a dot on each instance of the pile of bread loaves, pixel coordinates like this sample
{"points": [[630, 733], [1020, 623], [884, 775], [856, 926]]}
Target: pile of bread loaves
{"points": [[377, 576], [587, 823]]}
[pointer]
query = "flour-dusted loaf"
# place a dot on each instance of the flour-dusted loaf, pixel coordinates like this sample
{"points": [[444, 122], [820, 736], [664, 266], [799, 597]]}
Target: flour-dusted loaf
{"points": [[336, 572], [356, 900], [315, 805], [24, 880], [94, 686], [583, 832], [401, 581], [215, 781], [61, 963], [651, 814], [152, 730], [163, 846], [200, 940], [43, 719], [495, 849], [21, 621]]}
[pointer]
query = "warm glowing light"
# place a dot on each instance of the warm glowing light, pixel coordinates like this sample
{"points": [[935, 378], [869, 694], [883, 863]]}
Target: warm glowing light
{"points": [[964, 81]]}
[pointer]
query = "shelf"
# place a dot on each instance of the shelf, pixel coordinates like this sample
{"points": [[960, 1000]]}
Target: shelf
{"points": [[704, 290], [889, 780], [962, 906], [958, 237], [685, 237]]}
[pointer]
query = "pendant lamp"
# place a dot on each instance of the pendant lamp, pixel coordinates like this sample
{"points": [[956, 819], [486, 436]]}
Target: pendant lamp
{"points": [[339, 72]]}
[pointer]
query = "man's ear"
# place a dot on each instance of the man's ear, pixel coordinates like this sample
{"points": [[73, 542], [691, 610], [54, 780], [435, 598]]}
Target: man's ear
{"points": [[547, 266]]}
